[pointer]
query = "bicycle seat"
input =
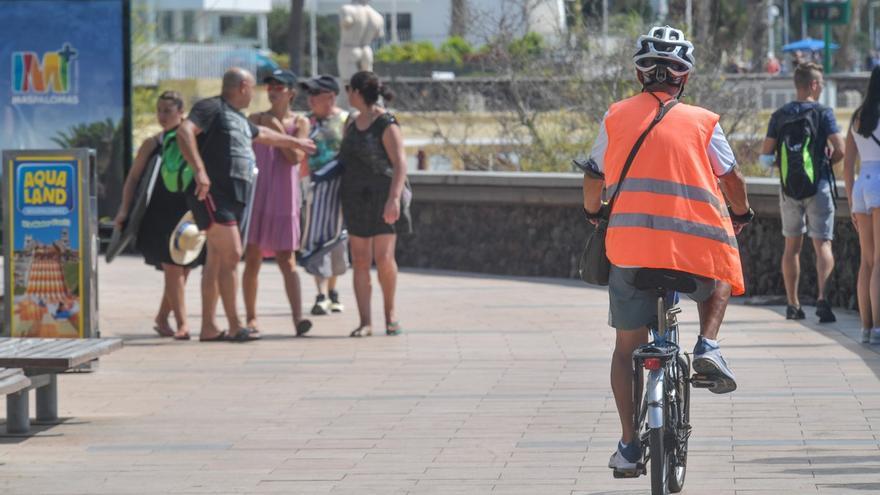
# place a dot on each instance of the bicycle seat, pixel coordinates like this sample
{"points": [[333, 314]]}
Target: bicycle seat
{"points": [[663, 280]]}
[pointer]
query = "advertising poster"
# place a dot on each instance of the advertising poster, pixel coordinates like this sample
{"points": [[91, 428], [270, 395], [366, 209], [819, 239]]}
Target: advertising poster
{"points": [[45, 234], [64, 83]]}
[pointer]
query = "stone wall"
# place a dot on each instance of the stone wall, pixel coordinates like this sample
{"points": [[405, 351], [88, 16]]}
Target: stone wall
{"points": [[532, 225]]}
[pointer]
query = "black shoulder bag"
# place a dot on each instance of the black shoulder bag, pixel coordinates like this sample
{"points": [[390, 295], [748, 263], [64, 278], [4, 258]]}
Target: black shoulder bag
{"points": [[594, 266]]}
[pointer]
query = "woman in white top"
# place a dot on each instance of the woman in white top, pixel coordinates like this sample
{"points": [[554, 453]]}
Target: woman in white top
{"points": [[863, 193]]}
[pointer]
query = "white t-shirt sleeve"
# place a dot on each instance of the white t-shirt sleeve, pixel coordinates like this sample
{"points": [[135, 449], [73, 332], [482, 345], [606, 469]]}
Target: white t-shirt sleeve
{"points": [[600, 145], [720, 154]]}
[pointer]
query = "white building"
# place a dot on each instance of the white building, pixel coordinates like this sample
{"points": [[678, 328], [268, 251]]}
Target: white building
{"points": [[430, 20], [206, 21], [200, 38]]}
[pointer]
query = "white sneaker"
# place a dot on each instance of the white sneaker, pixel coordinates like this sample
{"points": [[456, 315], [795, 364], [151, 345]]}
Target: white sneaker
{"points": [[619, 463], [866, 335], [875, 335]]}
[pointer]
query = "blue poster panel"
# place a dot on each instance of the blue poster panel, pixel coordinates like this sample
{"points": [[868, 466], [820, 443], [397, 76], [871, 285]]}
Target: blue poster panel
{"points": [[45, 234], [63, 82]]}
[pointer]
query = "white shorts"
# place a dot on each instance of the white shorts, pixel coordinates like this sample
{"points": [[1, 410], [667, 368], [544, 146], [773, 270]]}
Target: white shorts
{"points": [[866, 189]]}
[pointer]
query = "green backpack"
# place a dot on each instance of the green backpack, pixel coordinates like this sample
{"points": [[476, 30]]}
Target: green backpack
{"points": [[176, 174]]}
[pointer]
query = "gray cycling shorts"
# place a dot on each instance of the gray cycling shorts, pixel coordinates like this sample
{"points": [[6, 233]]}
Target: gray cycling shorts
{"points": [[631, 308], [813, 216]]}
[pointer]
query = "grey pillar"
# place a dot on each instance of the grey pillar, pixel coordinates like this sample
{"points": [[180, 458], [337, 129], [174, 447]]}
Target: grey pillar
{"points": [[17, 413], [47, 401]]}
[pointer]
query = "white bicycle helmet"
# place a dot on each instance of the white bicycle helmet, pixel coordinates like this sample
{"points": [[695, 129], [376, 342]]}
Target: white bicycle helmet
{"points": [[664, 46]]}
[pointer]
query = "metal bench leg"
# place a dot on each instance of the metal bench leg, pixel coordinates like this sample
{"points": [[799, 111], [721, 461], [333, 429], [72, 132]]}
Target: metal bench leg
{"points": [[47, 401], [17, 413]]}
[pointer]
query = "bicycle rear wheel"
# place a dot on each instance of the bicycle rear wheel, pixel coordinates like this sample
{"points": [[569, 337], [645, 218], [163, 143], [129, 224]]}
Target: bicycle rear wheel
{"points": [[659, 458], [680, 421]]}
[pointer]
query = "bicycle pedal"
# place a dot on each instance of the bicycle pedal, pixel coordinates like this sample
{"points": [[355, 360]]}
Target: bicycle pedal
{"points": [[630, 473], [703, 381]]}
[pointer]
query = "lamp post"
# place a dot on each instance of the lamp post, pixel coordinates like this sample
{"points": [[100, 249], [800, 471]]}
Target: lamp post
{"points": [[872, 34], [605, 26], [772, 14], [395, 38], [313, 38]]}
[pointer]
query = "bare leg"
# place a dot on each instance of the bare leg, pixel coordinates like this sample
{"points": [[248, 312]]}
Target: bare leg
{"points": [[162, 326], [866, 268], [210, 292], [622, 377], [712, 310], [386, 265], [791, 268], [253, 259], [175, 284], [824, 265], [287, 265], [224, 246], [875, 272], [361, 261], [321, 284], [331, 283]]}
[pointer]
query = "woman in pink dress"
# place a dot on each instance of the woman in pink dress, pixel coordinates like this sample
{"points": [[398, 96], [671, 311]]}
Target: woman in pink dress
{"points": [[273, 226]]}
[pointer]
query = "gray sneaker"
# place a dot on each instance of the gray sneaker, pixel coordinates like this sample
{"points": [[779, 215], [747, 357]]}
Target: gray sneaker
{"points": [[875, 335], [709, 362], [866, 335]]}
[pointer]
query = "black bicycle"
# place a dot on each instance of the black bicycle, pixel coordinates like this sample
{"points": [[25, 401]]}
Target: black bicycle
{"points": [[662, 415]]}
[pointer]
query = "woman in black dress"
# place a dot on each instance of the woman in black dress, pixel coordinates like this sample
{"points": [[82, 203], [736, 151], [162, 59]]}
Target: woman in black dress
{"points": [[163, 212], [373, 195]]}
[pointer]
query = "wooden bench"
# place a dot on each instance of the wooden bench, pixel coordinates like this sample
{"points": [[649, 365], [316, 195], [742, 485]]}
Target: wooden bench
{"points": [[13, 382], [40, 361]]}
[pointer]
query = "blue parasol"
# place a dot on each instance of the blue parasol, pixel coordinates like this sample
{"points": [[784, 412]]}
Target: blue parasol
{"points": [[807, 45]]}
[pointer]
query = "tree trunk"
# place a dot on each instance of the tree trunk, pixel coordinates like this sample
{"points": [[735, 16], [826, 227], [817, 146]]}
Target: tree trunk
{"points": [[756, 38], [295, 31], [703, 22], [847, 56], [458, 23]]}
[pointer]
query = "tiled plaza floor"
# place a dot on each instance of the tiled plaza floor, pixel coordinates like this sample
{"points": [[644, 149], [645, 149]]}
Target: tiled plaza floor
{"points": [[499, 385]]}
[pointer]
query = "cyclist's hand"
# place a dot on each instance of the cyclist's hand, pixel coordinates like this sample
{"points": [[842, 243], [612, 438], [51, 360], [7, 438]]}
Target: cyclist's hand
{"points": [[595, 217]]}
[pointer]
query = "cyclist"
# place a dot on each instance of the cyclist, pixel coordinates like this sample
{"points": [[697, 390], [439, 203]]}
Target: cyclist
{"points": [[669, 214]]}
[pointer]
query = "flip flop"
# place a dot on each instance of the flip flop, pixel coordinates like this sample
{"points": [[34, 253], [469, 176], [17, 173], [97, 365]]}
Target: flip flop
{"points": [[182, 337], [361, 332], [221, 337], [243, 335], [303, 327], [255, 332], [393, 328], [163, 333]]}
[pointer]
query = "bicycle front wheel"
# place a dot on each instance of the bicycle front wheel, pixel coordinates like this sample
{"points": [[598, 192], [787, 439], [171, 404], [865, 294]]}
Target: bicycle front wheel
{"points": [[659, 462]]}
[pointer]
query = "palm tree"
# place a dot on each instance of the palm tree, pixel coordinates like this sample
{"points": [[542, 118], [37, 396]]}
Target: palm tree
{"points": [[458, 23], [295, 38]]}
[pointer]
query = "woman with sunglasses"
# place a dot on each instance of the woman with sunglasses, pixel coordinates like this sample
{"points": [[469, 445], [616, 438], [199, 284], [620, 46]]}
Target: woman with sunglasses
{"points": [[273, 225], [373, 194]]}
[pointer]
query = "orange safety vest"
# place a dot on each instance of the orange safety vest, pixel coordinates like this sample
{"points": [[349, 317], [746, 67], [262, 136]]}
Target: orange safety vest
{"points": [[670, 213]]}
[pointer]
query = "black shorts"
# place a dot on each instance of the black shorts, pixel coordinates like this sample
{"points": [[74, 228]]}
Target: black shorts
{"points": [[218, 207]]}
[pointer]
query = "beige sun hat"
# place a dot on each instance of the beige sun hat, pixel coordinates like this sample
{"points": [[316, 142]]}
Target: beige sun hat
{"points": [[186, 241]]}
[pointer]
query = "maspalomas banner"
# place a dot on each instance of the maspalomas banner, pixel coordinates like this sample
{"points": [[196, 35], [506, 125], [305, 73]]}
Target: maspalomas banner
{"points": [[64, 83]]}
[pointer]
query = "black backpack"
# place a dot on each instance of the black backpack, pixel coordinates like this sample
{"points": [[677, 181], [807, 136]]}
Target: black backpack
{"points": [[799, 154]]}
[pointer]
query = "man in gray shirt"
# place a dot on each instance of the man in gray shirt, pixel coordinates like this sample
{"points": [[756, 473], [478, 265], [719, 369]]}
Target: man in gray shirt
{"points": [[216, 140]]}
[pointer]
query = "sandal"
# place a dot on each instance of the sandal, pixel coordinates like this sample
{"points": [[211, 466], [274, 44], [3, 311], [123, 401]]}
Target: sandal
{"points": [[303, 327], [393, 328], [183, 336], [361, 332], [255, 332], [221, 337], [243, 335], [163, 332]]}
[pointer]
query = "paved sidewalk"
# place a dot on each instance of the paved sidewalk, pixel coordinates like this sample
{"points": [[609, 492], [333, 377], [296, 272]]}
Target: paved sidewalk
{"points": [[499, 385]]}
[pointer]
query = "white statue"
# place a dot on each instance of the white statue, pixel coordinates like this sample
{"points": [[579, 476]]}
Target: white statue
{"points": [[359, 25]]}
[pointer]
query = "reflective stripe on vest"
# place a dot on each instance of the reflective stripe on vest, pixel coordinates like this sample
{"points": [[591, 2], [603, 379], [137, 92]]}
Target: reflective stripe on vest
{"points": [[670, 212], [670, 188], [671, 224]]}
